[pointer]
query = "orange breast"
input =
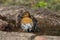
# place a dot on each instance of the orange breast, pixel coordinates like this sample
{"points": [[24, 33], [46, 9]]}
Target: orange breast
{"points": [[26, 20]]}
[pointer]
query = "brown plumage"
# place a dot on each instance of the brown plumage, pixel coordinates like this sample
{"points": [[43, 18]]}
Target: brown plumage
{"points": [[27, 22]]}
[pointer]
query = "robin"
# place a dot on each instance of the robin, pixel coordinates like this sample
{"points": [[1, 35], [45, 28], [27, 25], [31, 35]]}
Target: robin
{"points": [[28, 22]]}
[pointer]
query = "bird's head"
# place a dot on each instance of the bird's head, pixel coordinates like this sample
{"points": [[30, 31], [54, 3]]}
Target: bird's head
{"points": [[26, 14]]}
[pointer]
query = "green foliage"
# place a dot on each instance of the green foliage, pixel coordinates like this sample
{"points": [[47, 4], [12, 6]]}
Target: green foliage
{"points": [[54, 4], [42, 4]]}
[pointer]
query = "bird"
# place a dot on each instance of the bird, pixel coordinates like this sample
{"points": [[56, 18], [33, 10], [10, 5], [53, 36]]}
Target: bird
{"points": [[27, 22]]}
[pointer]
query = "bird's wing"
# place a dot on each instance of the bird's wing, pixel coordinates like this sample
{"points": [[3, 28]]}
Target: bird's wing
{"points": [[36, 27], [19, 20]]}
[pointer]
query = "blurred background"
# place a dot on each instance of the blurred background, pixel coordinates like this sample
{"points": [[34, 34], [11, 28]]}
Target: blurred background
{"points": [[51, 4]]}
